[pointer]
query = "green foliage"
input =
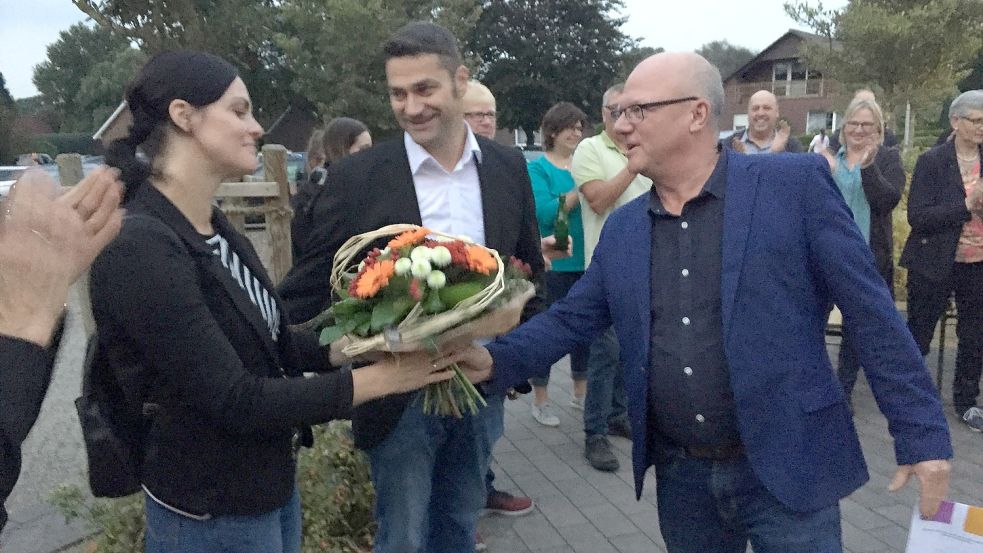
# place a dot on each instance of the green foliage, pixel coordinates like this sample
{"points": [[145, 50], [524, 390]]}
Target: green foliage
{"points": [[336, 48], [70, 59], [632, 57], [102, 88], [239, 31], [335, 488], [8, 111], [536, 53], [725, 56], [911, 51]]}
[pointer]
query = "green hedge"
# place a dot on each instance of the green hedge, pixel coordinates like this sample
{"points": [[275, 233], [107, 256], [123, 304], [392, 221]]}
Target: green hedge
{"points": [[336, 494]]}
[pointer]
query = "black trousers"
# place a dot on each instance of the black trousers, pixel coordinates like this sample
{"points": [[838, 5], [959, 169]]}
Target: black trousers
{"points": [[928, 299]]}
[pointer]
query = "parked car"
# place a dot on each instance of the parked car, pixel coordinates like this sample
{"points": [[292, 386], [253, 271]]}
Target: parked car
{"points": [[34, 159], [8, 176]]}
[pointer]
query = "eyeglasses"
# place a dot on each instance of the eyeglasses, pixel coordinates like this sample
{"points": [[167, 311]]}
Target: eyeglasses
{"points": [[479, 115], [863, 125], [976, 122], [636, 113], [613, 110]]}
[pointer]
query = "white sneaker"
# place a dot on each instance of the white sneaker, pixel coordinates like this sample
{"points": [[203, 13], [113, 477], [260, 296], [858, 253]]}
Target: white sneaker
{"points": [[577, 403], [544, 415]]}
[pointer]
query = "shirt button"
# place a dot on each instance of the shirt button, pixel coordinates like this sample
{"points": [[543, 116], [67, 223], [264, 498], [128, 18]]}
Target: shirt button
{"points": [[686, 321], [699, 418], [684, 224], [688, 371], [685, 272]]}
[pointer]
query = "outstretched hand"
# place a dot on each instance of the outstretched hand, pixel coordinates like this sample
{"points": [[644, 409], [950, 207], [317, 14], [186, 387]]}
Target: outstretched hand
{"points": [[474, 361], [933, 481]]}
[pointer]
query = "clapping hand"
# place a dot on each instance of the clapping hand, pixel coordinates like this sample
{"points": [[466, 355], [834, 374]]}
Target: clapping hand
{"points": [[974, 201], [782, 134], [47, 241]]}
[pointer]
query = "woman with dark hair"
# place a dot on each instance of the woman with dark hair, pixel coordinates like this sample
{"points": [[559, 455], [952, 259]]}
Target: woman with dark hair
{"points": [[552, 185], [343, 136], [189, 324]]}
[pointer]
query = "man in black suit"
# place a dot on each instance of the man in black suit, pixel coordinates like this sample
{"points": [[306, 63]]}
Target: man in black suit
{"points": [[427, 470]]}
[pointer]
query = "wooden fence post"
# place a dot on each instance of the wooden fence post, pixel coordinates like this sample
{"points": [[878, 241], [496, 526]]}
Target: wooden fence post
{"points": [[278, 219], [69, 169]]}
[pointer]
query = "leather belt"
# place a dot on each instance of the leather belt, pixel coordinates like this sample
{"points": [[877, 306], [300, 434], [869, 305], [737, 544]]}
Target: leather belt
{"points": [[714, 453]]}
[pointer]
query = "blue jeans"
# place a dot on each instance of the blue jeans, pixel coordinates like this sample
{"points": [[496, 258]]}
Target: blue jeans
{"points": [[557, 286], [273, 532], [718, 506], [495, 429], [605, 399], [429, 482]]}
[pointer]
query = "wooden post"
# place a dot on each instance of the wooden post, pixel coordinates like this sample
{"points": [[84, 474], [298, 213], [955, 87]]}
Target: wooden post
{"points": [[69, 169], [278, 218]]}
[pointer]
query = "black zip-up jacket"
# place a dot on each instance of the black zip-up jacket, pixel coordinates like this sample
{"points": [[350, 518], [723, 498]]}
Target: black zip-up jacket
{"points": [[231, 405]]}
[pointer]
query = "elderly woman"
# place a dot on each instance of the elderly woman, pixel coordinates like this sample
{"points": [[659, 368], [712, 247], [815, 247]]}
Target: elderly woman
{"points": [[552, 183], [944, 253], [871, 178]]}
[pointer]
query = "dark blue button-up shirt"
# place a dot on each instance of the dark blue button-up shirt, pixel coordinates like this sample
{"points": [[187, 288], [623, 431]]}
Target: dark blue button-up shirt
{"points": [[690, 397]]}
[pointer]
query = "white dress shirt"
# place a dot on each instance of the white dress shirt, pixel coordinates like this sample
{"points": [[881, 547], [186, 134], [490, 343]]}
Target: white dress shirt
{"points": [[450, 202]]}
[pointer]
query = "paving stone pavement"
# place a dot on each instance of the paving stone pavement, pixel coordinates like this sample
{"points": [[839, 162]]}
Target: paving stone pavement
{"points": [[578, 508]]}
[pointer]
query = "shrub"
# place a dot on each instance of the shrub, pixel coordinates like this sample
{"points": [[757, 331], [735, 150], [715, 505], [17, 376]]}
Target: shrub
{"points": [[333, 479]]}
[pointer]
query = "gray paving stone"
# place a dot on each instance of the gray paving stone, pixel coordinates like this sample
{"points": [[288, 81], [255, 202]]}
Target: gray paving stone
{"points": [[635, 543]]}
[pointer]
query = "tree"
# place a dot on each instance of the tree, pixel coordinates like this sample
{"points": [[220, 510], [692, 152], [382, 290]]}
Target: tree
{"points": [[70, 59], [912, 51], [238, 30], [535, 53], [338, 43], [8, 111], [725, 56], [101, 91]]}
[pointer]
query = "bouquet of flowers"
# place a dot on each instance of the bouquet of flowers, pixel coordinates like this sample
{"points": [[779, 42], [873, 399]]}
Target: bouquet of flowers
{"points": [[424, 290]]}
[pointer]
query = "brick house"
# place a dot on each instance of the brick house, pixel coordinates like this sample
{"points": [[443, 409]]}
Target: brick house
{"points": [[805, 97]]}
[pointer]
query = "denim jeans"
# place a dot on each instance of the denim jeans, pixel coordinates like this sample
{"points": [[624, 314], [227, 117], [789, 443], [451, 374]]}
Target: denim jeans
{"points": [[718, 506], [429, 482], [495, 429], [273, 532], [557, 286], [605, 399]]}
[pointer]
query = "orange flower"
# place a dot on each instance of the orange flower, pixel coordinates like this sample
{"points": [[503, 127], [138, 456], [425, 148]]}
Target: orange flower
{"points": [[409, 238], [480, 260], [374, 277]]}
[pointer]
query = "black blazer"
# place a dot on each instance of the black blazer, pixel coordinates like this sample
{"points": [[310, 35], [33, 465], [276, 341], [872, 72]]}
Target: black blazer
{"points": [[25, 373], [883, 183], [936, 212], [178, 330], [375, 188]]}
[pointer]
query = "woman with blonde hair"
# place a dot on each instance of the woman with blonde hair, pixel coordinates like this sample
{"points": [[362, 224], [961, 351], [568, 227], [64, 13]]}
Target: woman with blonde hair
{"points": [[871, 178]]}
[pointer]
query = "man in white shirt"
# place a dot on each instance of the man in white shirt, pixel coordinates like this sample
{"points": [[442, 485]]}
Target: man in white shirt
{"points": [[600, 170], [428, 471]]}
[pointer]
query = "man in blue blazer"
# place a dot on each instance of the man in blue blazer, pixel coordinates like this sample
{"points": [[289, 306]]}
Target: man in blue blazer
{"points": [[718, 284]]}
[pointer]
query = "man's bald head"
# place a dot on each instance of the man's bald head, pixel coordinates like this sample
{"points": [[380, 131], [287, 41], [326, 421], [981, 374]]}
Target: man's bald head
{"points": [[762, 114], [683, 74]]}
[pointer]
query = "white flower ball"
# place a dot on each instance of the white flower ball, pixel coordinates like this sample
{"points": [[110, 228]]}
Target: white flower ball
{"points": [[420, 268], [420, 253], [440, 256], [436, 280], [403, 266]]}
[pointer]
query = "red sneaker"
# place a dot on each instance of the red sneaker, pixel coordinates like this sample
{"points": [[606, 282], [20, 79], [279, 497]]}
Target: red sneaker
{"points": [[507, 504]]}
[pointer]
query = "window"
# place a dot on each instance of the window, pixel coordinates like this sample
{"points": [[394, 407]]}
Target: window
{"points": [[792, 78], [820, 120], [740, 122]]}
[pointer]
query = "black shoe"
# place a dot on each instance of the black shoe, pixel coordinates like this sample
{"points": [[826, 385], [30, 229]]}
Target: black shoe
{"points": [[619, 427], [598, 452]]}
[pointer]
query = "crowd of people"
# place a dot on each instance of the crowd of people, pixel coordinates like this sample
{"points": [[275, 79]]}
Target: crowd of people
{"points": [[692, 296]]}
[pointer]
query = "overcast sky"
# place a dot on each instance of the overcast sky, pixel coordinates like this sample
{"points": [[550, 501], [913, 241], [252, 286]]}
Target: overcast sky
{"points": [[27, 27]]}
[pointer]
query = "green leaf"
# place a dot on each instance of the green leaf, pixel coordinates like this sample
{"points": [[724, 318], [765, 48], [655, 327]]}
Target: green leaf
{"points": [[331, 334]]}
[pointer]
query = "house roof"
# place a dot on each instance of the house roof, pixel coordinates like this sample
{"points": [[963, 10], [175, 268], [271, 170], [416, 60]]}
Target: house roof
{"points": [[802, 36]]}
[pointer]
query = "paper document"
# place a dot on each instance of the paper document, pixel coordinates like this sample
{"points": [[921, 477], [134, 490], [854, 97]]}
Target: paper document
{"points": [[956, 528]]}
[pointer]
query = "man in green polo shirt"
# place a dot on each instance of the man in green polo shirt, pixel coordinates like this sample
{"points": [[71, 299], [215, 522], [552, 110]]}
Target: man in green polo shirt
{"points": [[600, 171]]}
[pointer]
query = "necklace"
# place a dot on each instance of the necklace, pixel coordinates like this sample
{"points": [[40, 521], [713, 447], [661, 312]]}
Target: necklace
{"points": [[972, 159]]}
